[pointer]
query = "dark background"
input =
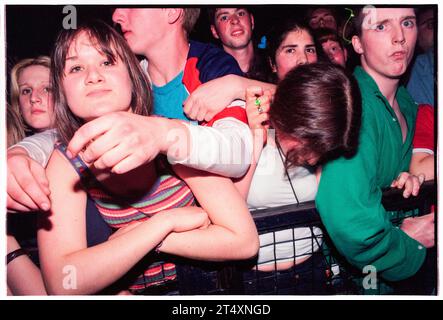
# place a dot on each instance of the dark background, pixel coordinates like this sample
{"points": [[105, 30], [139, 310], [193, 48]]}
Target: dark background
{"points": [[31, 29]]}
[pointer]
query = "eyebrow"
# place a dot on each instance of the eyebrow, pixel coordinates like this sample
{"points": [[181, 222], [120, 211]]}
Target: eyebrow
{"points": [[71, 58], [296, 46], [220, 12], [401, 19]]}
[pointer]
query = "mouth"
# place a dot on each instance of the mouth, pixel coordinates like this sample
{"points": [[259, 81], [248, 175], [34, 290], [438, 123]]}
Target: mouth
{"points": [[37, 111], [237, 33], [398, 55], [98, 93]]}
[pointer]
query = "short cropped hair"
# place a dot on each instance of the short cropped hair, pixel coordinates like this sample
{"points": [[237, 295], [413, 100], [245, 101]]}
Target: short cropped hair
{"points": [[190, 18], [358, 18], [319, 105], [107, 41]]}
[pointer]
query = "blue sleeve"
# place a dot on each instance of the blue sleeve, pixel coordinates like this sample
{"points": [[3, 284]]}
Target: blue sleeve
{"points": [[215, 63]]}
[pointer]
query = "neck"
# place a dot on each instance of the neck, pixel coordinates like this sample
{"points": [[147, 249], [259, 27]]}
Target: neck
{"points": [[387, 86], [243, 56], [168, 58]]}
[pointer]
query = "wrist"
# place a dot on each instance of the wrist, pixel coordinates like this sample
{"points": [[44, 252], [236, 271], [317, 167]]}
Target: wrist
{"points": [[15, 254]]}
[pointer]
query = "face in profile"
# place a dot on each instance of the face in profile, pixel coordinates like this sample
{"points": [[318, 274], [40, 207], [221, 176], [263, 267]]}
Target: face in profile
{"points": [[93, 84], [296, 49], [35, 97], [141, 27]]}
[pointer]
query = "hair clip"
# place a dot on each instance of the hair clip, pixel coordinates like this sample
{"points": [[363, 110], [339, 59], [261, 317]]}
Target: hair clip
{"points": [[351, 15]]}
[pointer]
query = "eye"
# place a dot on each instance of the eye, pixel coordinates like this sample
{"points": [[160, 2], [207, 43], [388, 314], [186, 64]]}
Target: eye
{"points": [[108, 63], [223, 18], [311, 50], [25, 91], [380, 27], [408, 23], [75, 69], [47, 89], [290, 50], [241, 13]]}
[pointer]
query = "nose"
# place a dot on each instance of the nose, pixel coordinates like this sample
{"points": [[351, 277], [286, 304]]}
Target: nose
{"points": [[119, 15], [398, 36], [93, 76], [234, 19], [321, 22], [302, 59], [35, 97]]}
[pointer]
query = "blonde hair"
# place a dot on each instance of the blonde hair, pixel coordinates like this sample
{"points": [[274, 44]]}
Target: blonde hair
{"points": [[15, 129], [43, 61]]}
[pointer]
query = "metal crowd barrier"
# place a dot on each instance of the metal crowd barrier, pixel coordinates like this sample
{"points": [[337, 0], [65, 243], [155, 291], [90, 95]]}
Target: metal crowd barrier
{"points": [[325, 273]]}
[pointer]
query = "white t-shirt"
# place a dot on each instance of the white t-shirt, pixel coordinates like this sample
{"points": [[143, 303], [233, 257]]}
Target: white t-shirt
{"points": [[270, 188]]}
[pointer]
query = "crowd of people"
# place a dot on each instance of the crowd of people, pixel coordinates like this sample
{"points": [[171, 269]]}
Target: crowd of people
{"points": [[137, 144]]}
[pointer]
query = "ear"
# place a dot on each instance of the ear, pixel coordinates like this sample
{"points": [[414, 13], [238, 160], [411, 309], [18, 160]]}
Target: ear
{"points": [[345, 53], [273, 66], [174, 14], [252, 21], [356, 43], [214, 32]]}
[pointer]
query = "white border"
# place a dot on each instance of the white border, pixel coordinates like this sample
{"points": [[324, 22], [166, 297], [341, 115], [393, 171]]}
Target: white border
{"points": [[187, 298]]}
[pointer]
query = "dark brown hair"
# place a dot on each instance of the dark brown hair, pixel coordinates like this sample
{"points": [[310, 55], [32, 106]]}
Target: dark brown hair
{"points": [[111, 44], [319, 105], [323, 35]]}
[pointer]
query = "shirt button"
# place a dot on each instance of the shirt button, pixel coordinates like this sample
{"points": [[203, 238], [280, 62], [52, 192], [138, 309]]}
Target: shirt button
{"points": [[420, 247], [393, 119]]}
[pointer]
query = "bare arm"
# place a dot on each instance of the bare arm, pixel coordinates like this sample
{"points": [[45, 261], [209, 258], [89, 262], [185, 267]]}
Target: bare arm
{"points": [[423, 163], [257, 119], [27, 185], [68, 266], [232, 234], [213, 96], [24, 277]]}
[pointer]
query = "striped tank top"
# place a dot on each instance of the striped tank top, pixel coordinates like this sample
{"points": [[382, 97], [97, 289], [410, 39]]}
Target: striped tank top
{"points": [[167, 192]]}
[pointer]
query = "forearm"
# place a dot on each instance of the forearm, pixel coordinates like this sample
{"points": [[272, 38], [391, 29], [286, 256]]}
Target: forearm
{"points": [[214, 243], [90, 270], [225, 149], [23, 276], [423, 164], [241, 83]]}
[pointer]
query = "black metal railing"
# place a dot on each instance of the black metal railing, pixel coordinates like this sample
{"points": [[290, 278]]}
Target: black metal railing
{"points": [[325, 272]]}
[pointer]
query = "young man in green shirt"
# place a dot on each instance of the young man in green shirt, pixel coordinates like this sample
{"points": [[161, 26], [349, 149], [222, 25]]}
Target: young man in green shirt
{"points": [[350, 190]]}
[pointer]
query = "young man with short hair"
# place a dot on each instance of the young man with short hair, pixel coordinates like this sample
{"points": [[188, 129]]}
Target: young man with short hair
{"points": [[350, 190], [234, 28]]}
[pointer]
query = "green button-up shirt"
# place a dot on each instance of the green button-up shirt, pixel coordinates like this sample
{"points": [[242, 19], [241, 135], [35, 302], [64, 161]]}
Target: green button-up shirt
{"points": [[350, 190]]}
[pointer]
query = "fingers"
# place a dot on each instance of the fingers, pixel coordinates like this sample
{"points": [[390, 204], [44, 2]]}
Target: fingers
{"points": [[39, 173], [409, 182], [112, 157], [14, 206], [129, 163], [99, 147], [401, 180], [88, 132], [25, 189]]}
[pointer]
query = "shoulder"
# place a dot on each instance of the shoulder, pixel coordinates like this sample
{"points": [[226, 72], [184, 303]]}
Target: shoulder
{"points": [[211, 62], [60, 169]]}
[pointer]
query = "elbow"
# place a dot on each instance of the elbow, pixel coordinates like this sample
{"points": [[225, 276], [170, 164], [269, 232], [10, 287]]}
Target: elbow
{"points": [[249, 247]]}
